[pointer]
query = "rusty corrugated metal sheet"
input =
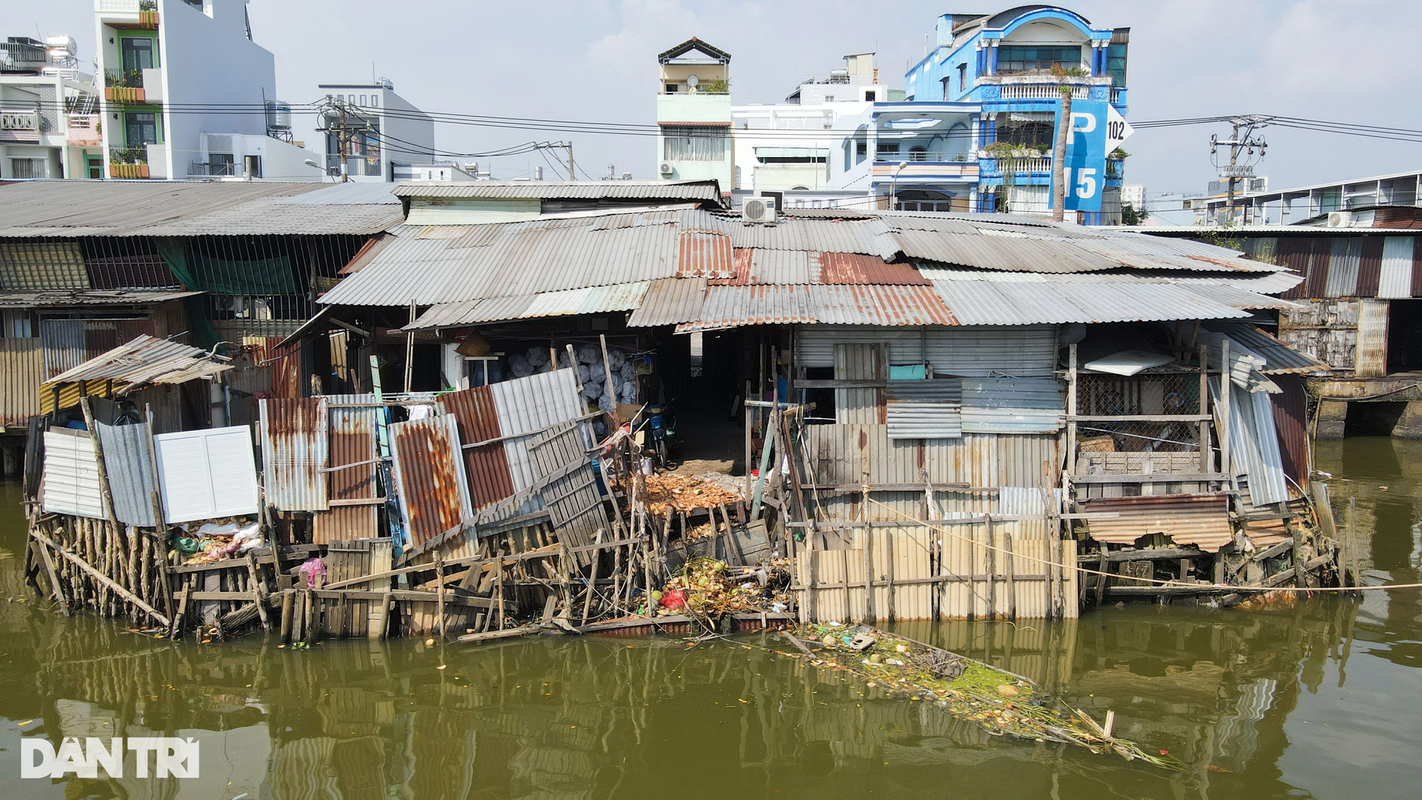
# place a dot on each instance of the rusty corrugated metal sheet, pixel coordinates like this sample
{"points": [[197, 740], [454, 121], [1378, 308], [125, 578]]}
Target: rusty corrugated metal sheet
{"points": [[1318, 266], [352, 441], [856, 268], [669, 301], [1370, 266], [294, 447], [704, 254], [742, 263], [434, 495], [879, 305], [21, 373], [487, 466], [561, 190], [1198, 519], [1291, 420], [1371, 361], [1293, 253], [1345, 254], [736, 306]]}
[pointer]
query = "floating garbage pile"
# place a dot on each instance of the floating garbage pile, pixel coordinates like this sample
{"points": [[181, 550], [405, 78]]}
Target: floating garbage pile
{"points": [[999, 701], [708, 589], [214, 541]]}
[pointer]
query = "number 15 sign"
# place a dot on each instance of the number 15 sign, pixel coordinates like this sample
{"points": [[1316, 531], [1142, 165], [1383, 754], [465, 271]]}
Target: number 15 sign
{"points": [[1097, 128]]}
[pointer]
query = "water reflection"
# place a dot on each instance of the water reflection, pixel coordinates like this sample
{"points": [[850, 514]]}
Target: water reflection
{"points": [[1310, 700]]}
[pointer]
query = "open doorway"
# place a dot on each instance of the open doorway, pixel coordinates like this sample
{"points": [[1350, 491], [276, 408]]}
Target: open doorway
{"points": [[1373, 418], [1404, 336]]}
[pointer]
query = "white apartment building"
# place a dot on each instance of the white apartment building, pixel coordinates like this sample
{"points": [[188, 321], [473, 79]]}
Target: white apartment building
{"points": [[49, 112], [173, 71], [385, 133]]}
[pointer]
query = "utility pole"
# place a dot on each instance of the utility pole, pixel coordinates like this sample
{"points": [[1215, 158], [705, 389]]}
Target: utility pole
{"points": [[337, 118], [572, 176], [1241, 139], [1059, 188], [568, 146]]}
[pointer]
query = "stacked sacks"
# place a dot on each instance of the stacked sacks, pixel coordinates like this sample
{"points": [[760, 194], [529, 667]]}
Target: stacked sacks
{"points": [[591, 373]]}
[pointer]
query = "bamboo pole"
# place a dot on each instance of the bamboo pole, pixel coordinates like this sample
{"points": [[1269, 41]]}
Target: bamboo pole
{"points": [[105, 580]]}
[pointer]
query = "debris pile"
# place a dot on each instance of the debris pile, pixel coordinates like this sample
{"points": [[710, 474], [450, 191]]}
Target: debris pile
{"points": [[708, 589], [999, 701], [669, 491]]}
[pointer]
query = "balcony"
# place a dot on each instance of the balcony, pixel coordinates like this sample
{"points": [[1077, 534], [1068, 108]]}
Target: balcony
{"points": [[82, 130], [128, 162], [128, 14], [126, 85], [1016, 166], [1040, 85], [886, 167], [22, 57], [19, 127]]}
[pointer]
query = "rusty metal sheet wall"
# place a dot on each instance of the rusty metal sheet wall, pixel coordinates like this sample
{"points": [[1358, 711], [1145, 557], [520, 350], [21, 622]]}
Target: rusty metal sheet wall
{"points": [[1198, 519], [487, 467], [352, 441], [1343, 263], [1372, 339], [429, 474], [21, 373], [1370, 266], [1294, 253], [129, 464], [1291, 420], [1318, 267], [294, 452]]}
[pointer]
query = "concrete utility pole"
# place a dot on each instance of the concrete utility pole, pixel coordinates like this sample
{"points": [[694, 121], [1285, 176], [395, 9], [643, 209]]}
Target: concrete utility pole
{"points": [[1059, 187], [337, 118], [1236, 143], [568, 146]]}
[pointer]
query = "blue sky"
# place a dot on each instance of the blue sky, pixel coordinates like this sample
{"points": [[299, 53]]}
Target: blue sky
{"points": [[596, 60]]}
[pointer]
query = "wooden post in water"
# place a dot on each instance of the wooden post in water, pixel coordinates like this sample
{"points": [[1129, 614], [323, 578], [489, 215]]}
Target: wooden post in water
{"points": [[1009, 557]]}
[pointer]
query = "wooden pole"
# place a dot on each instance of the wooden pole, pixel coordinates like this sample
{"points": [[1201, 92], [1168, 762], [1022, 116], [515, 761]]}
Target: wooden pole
{"points": [[105, 580], [410, 350], [1011, 587], [439, 594], [868, 545], [611, 392], [257, 595]]}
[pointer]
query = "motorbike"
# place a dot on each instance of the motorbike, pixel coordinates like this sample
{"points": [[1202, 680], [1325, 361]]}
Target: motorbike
{"points": [[661, 423]]}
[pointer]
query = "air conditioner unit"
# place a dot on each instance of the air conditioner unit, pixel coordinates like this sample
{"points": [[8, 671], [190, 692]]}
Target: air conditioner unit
{"points": [[758, 210], [666, 168], [1340, 219]]}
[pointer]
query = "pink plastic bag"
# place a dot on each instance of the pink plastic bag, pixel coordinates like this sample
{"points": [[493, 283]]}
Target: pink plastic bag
{"points": [[313, 569]]}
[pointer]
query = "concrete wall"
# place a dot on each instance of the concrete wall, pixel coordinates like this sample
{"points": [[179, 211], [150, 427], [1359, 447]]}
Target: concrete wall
{"points": [[419, 132], [210, 60]]}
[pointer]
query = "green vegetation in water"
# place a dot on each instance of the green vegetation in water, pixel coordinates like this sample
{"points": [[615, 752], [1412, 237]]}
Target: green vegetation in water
{"points": [[999, 701]]}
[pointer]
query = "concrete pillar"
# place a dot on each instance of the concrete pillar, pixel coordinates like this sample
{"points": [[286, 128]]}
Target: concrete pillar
{"points": [[1409, 425], [1332, 418]]}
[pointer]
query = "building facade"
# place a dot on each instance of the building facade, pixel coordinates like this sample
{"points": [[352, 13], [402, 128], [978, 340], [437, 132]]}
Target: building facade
{"points": [[1013, 66], [172, 72], [49, 112], [694, 114], [385, 134], [1256, 204]]}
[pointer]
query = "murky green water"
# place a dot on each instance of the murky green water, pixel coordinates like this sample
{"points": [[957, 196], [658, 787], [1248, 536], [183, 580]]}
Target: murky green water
{"points": [[1319, 700]]}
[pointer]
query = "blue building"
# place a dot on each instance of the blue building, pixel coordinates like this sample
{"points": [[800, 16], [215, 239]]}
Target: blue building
{"points": [[1011, 68]]}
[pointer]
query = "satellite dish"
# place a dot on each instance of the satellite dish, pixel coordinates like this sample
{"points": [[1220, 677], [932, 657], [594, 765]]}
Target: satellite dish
{"points": [[692, 81]]}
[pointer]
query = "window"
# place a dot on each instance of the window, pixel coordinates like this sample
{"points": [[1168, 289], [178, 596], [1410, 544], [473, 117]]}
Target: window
{"points": [[869, 97], [27, 168], [1116, 63], [1018, 58], [693, 144], [963, 76], [220, 164], [671, 88], [138, 53], [363, 99], [140, 128]]}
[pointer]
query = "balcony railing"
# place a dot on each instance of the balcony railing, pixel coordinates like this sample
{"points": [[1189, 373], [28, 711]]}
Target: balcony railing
{"points": [[21, 57], [129, 155], [124, 6], [19, 121], [213, 169], [1037, 91], [1017, 166], [123, 78], [915, 157]]}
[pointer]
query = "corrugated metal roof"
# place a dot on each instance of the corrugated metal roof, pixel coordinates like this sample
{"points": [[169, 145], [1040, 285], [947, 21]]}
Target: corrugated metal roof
{"points": [[1013, 405], [559, 190], [704, 254], [1007, 253], [854, 268], [1026, 303], [350, 193], [1198, 519], [294, 439], [927, 409], [146, 360], [1281, 358], [735, 306], [128, 463], [189, 208], [669, 301], [91, 297]]}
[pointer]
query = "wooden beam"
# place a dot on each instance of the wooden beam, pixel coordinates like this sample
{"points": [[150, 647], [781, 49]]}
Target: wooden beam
{"points": [[106, 580]]}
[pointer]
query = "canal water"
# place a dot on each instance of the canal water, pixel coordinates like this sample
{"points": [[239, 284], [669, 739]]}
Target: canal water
{"points": [[1319, 699]]}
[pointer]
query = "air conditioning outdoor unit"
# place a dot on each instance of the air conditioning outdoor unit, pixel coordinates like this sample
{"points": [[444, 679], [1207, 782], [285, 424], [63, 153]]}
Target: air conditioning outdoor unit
{"points": [[758, 211], [1340, 219], [665, 168]]}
